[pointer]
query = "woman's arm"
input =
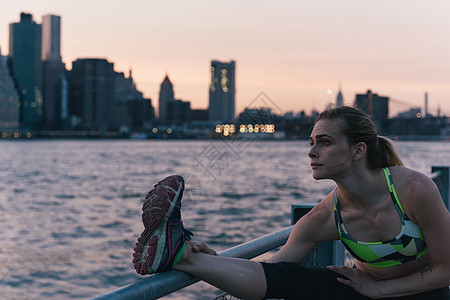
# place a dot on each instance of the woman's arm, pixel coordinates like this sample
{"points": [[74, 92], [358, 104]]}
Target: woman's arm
{"points": [[315, 227]]}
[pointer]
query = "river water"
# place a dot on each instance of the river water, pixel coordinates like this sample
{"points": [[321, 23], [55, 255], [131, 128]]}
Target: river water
{"points": [[70, 210]]}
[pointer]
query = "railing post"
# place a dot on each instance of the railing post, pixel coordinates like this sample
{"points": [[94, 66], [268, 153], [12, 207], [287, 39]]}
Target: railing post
{"points": [[443, 183], [324, 254]]}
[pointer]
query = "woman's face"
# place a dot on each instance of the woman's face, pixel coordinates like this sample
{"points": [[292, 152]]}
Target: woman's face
{"points": [[330, 151]]}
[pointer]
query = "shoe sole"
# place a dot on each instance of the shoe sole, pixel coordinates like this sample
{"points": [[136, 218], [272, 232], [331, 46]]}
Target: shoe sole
{"points": [[159, 205]]}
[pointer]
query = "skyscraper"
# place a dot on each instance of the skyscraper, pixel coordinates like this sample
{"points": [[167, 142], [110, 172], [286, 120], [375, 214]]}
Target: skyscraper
{"points": [[91, 93], [166, 95], [9, 98], [54, 72], [339, 98], [51, 38], [377, 107], [26, 66], [222, 91], [132, 109], [172, 111]]}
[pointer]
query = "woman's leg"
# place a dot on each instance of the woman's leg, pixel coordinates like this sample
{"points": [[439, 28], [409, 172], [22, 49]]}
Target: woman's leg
{"points": [[240, 278], [164, 236]]}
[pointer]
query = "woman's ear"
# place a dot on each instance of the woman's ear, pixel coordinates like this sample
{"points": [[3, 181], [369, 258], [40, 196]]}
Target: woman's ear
{"points": [[359, 150]]}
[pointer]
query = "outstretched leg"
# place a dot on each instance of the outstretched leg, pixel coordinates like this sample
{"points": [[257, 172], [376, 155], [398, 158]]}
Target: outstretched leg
{"points": [[240, 278], [159, 247]]}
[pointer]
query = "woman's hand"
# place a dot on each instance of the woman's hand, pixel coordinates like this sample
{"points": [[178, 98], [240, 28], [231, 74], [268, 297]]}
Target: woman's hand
{"points": [[358, 281], [201, 247]]}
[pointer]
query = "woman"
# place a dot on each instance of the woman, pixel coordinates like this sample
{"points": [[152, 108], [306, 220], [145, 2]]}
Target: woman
{"points": [[391, 218]]}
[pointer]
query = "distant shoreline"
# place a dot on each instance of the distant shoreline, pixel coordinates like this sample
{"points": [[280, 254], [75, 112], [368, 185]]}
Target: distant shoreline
{"points": [[114, 135]]}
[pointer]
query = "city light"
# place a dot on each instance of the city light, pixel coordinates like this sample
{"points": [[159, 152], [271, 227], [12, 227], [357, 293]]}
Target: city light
{"points": [[229, 129]]}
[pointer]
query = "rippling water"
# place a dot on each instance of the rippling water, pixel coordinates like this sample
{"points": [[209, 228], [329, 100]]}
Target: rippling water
{"points": [[70, 210]]}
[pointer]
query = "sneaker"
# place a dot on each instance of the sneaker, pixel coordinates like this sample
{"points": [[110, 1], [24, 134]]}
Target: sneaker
{"points": [[164, 234]]}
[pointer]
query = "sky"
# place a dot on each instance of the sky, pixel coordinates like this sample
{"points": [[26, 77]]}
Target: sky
{"points": [[297, 52]]}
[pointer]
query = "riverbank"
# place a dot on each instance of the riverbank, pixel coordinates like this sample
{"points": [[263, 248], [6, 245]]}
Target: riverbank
{"points": [[174, 135]]}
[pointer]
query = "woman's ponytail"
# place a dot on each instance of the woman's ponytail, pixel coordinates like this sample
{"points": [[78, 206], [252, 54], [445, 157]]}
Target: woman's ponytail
{"points": [[388, 153]]}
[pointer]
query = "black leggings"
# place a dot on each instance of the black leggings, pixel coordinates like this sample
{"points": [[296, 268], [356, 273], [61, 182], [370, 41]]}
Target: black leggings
{"points": [[291, 281]]}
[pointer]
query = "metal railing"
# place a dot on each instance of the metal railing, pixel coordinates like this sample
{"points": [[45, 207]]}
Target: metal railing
{"points": [[324, 254], [441, 177], [162, 284]]}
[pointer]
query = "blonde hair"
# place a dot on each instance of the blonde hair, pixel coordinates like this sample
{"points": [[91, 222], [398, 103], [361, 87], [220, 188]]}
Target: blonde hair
{"points": [[358, 127]]}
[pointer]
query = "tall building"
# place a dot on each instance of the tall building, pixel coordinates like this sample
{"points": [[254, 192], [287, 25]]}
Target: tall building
{"points": [[141, 112], [339, 98], [26, 66], [166, 95], [172, 111], [178, 112], [9, 98], [222, 91], [51, 38], [132, 109], [54, 73], [54, 79], [91, 94], [377, 107], [426, 106]]}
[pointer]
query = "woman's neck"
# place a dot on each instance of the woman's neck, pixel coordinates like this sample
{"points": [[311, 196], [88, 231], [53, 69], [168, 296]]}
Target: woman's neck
{"points": [[361, 187]]}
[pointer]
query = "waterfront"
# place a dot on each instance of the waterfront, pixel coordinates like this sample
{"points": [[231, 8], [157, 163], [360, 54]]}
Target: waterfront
{"points": [[70, 210]]}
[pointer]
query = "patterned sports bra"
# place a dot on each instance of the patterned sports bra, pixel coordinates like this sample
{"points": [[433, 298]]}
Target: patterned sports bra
{"points": [[407, 246]]}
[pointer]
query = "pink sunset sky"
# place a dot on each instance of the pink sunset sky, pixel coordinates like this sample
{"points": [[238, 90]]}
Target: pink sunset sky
{"points": [[297, 52]]}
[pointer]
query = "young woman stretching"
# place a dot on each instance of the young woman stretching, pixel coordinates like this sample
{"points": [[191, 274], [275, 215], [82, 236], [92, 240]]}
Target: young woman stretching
{"points": [[391, 219]]}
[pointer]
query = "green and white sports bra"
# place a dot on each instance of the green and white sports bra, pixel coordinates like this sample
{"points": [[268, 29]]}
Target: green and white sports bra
{"points": [[407, 246]]}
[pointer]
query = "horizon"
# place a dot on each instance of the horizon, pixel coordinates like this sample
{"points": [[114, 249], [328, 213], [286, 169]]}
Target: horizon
{"points": [[398, 50]]}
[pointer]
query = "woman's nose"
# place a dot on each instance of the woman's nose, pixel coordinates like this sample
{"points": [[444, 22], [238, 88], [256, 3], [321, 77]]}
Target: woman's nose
{"points": [[312, 152]]}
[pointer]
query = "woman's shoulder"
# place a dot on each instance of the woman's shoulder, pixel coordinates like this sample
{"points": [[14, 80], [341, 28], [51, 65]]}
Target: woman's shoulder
{"points": [[405, 176], [414, 188], [325, 207]]}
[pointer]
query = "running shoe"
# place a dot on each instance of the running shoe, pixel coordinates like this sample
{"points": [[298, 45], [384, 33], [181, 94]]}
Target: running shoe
{"points": [[164, 234]]}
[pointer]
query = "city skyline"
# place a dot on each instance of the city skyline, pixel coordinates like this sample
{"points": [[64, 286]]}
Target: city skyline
{"points": [[293, 51]]}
